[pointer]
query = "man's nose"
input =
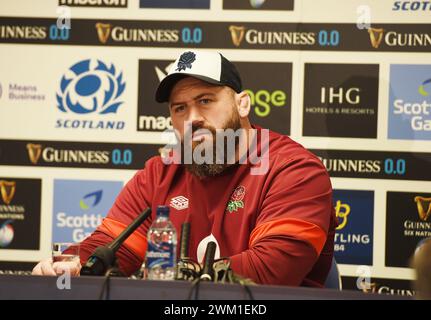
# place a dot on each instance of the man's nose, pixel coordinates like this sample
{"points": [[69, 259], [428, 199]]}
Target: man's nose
{"points": [[195, 116]]}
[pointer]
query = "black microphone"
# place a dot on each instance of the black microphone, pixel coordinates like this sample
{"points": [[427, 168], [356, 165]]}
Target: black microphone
{"points": [[185, 239], [208, 270], [103, 258]]}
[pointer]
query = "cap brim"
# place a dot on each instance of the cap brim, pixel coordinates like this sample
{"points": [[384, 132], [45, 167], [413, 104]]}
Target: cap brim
{"points": [[165, 87]]}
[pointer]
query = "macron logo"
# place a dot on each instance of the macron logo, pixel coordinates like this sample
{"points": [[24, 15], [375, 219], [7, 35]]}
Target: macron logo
{"points": [[179, 203], [162, 74]]}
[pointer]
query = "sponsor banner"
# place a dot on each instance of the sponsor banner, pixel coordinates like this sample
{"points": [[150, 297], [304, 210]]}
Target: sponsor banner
{"points": [[16, 268], [410, 102], [270, 94], [219, 35], [152, 116], [340, 100], [20, 213], [407, 224], [353, 243], [98, 155], [94, 3], [80, 206], [259, 4], [90, 88], [20, 92], [411, 6], [393, 287], [180, 4], [376, 164]]}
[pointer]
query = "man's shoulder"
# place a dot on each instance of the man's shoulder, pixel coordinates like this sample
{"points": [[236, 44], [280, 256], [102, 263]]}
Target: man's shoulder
{"points": [[282, 147]]}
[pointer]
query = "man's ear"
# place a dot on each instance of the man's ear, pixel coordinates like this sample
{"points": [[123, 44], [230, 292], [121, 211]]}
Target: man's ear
{"points": [[243, 104]]}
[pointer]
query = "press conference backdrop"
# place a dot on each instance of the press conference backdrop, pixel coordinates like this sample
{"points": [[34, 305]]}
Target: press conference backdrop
{"points": [[350, 80]]}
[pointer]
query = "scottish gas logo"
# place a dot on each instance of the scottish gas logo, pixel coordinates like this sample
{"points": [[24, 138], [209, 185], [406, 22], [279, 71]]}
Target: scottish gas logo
{"points": [[90, 96], [410, 102], [80, 206]]}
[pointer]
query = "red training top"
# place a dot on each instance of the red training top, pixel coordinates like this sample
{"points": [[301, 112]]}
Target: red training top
{"points": [[277, 228]]}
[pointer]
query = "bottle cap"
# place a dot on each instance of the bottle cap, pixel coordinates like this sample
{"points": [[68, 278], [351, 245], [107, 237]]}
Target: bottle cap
{"points": [[163, 211]]}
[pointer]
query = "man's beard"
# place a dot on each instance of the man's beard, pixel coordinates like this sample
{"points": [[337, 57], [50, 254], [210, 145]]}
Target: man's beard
{"points": [[212, 169]]}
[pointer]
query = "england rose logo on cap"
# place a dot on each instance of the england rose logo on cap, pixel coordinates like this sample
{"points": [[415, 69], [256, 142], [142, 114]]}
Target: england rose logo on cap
{"points": [[186, 60]]}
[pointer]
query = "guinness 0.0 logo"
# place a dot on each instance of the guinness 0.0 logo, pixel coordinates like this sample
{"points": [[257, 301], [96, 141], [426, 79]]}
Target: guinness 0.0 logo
{"points": [[7, 190], [376, 36], [34, 152], [103, 31], [237, 33], [422, 202]]}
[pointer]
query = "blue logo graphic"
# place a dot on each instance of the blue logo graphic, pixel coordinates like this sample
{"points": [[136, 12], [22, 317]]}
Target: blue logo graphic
{"points": [[95, 197], [354, 234], [91, 87], [190, 4], [422, 88], [80, 206], [6, 234], [410, 102]]}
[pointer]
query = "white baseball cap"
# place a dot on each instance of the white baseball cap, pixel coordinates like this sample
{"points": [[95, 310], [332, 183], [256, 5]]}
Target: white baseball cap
{"points": [[211, 67]]}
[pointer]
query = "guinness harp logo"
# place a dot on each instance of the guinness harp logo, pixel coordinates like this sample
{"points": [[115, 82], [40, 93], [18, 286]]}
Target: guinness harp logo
{"points": [[237, 34], [103, 31], [7, 190], [34, 152], [424, 207], [376, 36]]}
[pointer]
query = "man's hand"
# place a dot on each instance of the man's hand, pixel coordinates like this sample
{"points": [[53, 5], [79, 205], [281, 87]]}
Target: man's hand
{"points": [[48, 268]]}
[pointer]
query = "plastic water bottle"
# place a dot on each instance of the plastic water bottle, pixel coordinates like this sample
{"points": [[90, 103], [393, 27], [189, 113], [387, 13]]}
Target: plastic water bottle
{"points": [[161, 257]]}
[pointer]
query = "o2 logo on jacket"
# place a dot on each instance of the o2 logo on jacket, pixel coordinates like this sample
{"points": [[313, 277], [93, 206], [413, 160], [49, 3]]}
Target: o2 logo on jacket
{"points": [[91, 86]]}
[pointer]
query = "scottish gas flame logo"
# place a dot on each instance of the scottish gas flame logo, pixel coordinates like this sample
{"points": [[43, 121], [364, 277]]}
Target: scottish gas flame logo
{"points": [[422, 91], [91, 200], [91, 87], [6, 234]]}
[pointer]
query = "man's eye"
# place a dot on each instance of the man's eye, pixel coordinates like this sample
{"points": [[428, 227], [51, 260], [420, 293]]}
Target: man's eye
{"points": [[179, 109], [204, 101]]}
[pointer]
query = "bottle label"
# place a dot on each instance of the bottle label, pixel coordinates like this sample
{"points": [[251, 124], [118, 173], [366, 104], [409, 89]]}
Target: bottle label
{"points": [[160, 255]]}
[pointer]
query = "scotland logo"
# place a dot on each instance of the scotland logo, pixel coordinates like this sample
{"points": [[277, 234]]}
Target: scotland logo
{"points": [[91, 87], [186, 60]]}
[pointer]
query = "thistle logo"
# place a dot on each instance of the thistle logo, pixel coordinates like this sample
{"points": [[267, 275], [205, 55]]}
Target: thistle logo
{"points": [[91, 87], [8, 189], [422, 90], [6, 234], [342, 210], [421, 203], [376, 36], [95, 196], [237, 33], [103, 31], [34, 152]]}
